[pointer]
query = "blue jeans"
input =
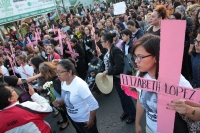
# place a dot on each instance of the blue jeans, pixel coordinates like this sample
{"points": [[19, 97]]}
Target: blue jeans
{"points": [[81, 127], [127, 103]]}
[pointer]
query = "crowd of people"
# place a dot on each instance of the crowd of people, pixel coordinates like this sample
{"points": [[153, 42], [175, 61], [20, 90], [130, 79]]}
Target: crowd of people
{"points": [[63, 52]]}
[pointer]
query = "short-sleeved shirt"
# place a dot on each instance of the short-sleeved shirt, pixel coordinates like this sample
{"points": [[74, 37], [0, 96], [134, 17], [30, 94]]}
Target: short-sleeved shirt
{"points": [[73, 96]]}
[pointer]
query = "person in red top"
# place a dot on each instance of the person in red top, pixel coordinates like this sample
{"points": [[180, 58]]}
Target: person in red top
{"points": [[51, 53], [26, 117]]}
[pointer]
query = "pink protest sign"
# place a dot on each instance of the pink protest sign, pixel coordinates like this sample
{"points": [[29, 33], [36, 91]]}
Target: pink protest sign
{"points": [[171, 52], [92, 31], [12, 53], [37, 36], [31, 43], [72, 53], [173, 91], [10, 60], [54, 30], [60, 37], [71, 17], [91, 19]]}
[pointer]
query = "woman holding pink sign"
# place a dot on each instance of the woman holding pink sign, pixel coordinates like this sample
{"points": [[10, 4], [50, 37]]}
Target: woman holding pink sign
{"points": [[146, 55]]}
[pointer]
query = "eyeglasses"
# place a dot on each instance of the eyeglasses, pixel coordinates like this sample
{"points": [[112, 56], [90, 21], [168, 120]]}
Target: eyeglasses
{"points": [[59, 73], [139, 58], [196, 42]]}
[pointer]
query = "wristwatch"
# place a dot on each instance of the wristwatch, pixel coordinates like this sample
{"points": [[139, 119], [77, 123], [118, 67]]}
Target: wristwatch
{"points": [[193, 111]]}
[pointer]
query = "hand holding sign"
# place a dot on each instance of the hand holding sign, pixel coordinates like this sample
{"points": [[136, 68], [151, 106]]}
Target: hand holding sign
{"points": [[178, 105]]}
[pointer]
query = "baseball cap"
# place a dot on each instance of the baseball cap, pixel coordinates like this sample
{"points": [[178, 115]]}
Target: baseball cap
{"points": [[46, 42]]}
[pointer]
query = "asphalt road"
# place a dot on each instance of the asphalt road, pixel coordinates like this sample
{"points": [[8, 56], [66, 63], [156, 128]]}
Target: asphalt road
{"points": [[108, 116]]}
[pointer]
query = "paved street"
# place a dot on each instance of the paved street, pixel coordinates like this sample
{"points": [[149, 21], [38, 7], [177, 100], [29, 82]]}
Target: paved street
{"points": [[108, 114]]}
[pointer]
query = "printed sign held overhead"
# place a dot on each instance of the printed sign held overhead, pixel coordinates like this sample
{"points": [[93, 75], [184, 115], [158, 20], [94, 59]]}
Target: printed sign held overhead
{"points": [[119, 8]]}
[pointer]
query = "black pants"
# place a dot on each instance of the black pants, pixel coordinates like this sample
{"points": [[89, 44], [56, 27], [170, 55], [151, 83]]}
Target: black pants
{"points": [[126, 101], [81, 127], [63, 114], [77, 130]]}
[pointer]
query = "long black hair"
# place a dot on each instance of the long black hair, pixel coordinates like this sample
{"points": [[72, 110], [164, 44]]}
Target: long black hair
{"points": [[36, 61], [108, 37]]}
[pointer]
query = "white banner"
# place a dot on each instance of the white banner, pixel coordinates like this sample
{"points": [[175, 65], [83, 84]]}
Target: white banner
{"points": [[13, 10]]}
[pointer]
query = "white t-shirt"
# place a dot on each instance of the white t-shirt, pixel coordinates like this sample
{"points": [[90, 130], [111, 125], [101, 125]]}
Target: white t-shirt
{"points": [[5, 70], [149, 101], [73, 96], [25, 71]]}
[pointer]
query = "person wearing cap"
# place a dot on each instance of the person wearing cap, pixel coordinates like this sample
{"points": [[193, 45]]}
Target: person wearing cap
{"points": [[46, 42]]}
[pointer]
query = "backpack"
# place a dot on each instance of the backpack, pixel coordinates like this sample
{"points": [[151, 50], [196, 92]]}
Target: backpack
{"points": [[128, 65]]}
